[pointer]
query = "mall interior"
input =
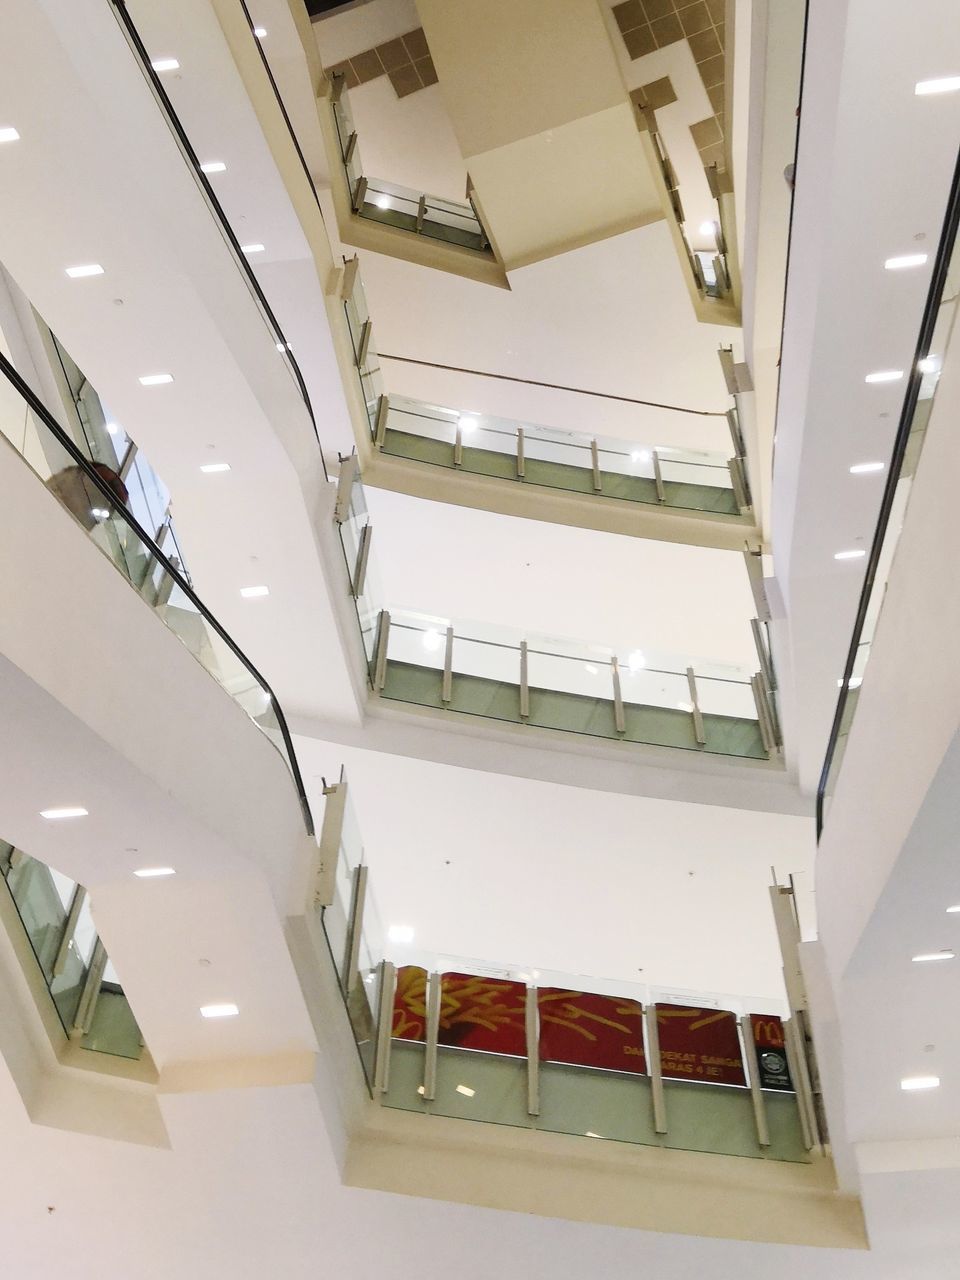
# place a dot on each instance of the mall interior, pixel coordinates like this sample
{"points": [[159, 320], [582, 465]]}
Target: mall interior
{"points": [[464, 464]]}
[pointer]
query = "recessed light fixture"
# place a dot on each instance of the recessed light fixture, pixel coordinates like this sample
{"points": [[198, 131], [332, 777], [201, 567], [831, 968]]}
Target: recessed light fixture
{"points": [[68, 811], [155, 379], [382, 202], [213, 166], [225, 1010], [431, 640], [212, 468], [952, 911], [636, 660], [865, 468], [252, 248], [931, 957], [100, 513], [849, 555], [165, 64], [885, 375], [905, 261], [947, 84], [154, 873], [254, 593], [708, 228], [466, 1090], [400, 933], [910, 1083], [8, 134], [260, 32], [467, 424], [89, 269]]}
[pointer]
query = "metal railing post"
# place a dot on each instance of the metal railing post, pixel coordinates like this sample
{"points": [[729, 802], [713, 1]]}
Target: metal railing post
{"points": [[595, 464], [432, 1038], [351, 956], [753, 1079], [349, 469], [363, 555], [348, 280], [524, 683], [797, 1062], [657, 477], [532, 1028], [380, 423], [381, 1064], [458, 448], [695, 708], [654, 1068], [619, 719], [521, 460], [69, 929], [363, 346], [328, 851], [767, 736], [446, 694], [380, 652], [763, 653], [359, 194], [421, 212], [83, 1018]]}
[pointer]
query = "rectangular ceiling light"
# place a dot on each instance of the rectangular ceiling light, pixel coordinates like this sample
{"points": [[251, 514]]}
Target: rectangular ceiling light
{"points": [[225, 1010], [253, 248], [920, 1082], [155, 379], [947, 84], [69, 811], [9, 134], [165, 64], [154, 873], [91, 269], [253, 593], [213, 166], [904, 261], [211, 468]]}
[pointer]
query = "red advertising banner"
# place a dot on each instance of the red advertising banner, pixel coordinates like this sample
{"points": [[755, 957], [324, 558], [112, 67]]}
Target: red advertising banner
{"points": [[483, 1013], [410, 1004], [699, 1044], [770, 1047], [589, 1030]]}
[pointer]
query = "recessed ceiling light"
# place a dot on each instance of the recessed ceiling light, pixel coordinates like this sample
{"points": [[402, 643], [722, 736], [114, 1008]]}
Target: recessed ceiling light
{"points": [[636, 660], [947, 84], [260, 32], [213, 166], [431, 640], [382, 202], [466, 1090], [952, 911], [252, 248], [865, 468], [929, 957], [905, 260], [154, 873], [929, 364], [69, 811], [909, 1083], [155, 379], [212, 468], [252, 593], [467, 424], [885, 375], [165, 64], [400, 933], [100, 513], [849, 555], [9, 134], [708, 228], [226, 1010], [90, 269]]}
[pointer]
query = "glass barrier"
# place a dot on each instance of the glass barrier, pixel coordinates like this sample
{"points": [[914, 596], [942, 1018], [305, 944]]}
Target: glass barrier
{"points": [[91, 494], [568, 1054], [397, 206], [573, 461], [937, 325], [634, 696], [56, 917]]}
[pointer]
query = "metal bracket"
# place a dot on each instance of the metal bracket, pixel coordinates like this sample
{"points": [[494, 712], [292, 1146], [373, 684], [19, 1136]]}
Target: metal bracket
{"points": [[380, 652], [446, 693], [695, 708], [524, 683], [595, 463], [388, 986]]}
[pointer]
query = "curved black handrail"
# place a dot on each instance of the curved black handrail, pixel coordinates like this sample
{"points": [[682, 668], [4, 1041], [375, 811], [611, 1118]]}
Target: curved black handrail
{"points": [[941, 265], [51, 424], [173, 120]]}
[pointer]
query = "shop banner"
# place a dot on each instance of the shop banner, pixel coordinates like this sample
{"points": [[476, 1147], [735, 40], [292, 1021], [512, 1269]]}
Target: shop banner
{"points": [[483, 1013], [699, 1044], [769, 1044], [589, 1030], [410, 1004]]}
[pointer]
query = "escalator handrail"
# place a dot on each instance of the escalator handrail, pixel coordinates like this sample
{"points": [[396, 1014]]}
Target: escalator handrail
{"points": [[63, 439]]}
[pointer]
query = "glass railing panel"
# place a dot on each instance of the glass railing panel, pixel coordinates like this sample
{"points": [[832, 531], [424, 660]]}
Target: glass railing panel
{"points": [[486, 679], [42, 897], [92, 498], [919, 398], [571, 692]]}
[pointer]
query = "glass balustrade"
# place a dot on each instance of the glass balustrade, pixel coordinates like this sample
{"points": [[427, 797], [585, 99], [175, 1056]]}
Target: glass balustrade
{"points": [[938, 323], [89, 493], [56, 917], [628, 695], [397, 206]]}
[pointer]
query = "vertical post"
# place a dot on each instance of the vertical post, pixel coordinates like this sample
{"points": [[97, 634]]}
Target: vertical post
{"points": [[695, 708], [69, 929], [738, 484], [753, 1079], [433, 1035], [763, 653], [658, 478], [458, 448], [351, 957], [363, 347], [381, 1067], [521, 460], [350, 148], [754, 566], [767, 736], [380, 653], [348, 280], [619, 719], [797, 1062], [380, 424], [653, 1066], [446, 695], [338, 82], [349, 468], [532, 1027], [595, 464], [328, 854], [359, 194], [360, 568], [83, 1019], [524, 683], [421, 212]]}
